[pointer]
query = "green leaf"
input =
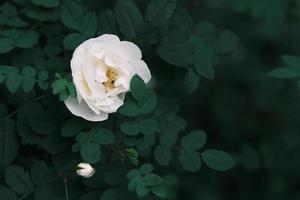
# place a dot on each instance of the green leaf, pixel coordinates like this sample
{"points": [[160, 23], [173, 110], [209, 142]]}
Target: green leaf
{"points": [[6, 45], [72, 127], [163, 155], [45, 192], [129, 18], [129, 109], [130, 128], [73, 40], [8, 10], [112, 194], [71, 89], [27, 40], [7, 69], [18, 180], [133, 173], [146, 98], [2, 78], [13, 82], [284, 72], [46, 3], [194, 140], [28, 72], [177, 53], [147, 168], [148, 126], [168, 137], [217, 160], [8, 142], [152, 180], [145, 142], [183, 19], [226, 43], [203, 58], [40, 173], [190, 160], [89, 25], [133, 183], [159, 191], [7, 194], [59, 86], [63, 95], [90, 152], [28, 80], [292, 61], [160, 10], [107, 22], [71, 15], [102, 136], [43, 75], [141, 191], [138, 88], [191, 81], [148, 103]]}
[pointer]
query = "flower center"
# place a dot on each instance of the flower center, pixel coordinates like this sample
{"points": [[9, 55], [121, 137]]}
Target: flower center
{"points": [[111, 75]]}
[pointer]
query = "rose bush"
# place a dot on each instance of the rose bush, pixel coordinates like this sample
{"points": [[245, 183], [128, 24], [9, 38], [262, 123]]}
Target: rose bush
{"points": [[102, 68], [66, 65]]}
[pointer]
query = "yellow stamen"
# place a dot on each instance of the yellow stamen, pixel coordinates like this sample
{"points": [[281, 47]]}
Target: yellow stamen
{"points": [[111, 75]]}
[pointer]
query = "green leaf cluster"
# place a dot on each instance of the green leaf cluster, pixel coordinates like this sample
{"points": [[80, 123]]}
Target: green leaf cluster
{"points": [[143, 181], [89, 143], [41, 142], [64, 88], [26, 78]]}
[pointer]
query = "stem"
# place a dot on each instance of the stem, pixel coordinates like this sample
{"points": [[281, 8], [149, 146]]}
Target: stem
{"points": [[66, 187], [12, 114], [52, 180], [25, 195], [16, 111]]}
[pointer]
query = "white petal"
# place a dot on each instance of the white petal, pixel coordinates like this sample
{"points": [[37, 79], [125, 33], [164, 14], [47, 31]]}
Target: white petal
{"points": [[141, 69], [130, 50], [117, 102], [90, 76], [82, 110], [107, 38]]}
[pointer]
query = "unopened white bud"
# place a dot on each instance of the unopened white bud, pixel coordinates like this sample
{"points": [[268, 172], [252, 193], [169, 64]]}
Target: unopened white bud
{"points": [[85, 170]]}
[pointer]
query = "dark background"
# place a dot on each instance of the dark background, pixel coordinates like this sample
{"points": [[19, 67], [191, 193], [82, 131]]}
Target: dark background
{"points": [[251, 115]]}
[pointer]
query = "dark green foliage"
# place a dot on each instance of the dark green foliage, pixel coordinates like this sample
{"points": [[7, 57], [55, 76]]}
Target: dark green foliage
{"points": [[27, 78], [89, 143], [143, 181], [8, 144], [217, 160], [64, 88], [18, 180], [129, 18], [215, 66]]}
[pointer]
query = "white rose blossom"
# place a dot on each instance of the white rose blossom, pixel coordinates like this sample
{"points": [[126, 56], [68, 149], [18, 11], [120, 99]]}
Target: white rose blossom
{"points": [[85, 170], [102, 68]]}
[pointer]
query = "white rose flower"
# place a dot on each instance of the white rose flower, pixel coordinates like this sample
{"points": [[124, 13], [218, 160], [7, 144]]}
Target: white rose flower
{"points": [[102, 68], [85, 170]]}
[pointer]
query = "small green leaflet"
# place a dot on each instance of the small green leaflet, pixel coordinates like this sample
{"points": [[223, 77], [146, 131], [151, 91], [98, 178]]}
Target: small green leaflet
{"points": [[18, 180], [190, 160], [217, 160], [8, 141], [194, 140]]}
